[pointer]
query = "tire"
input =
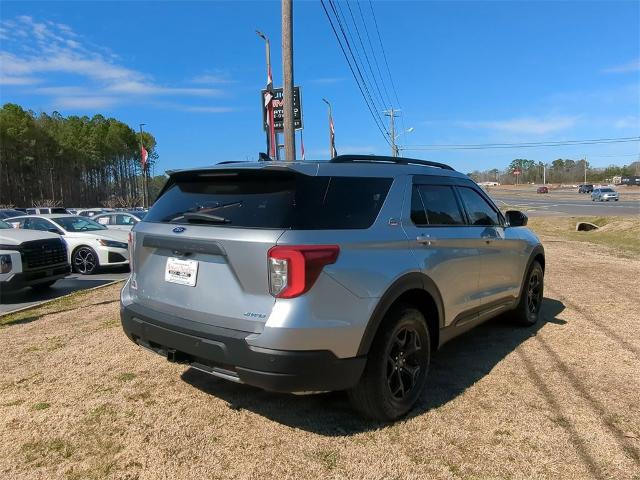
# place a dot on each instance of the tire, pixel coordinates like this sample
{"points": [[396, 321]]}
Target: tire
{"points": [[42, 286], [397, 366], [528, 310], [85, 260]]}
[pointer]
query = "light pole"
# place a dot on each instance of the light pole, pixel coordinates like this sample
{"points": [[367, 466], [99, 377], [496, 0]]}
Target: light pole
{"points": [[399, 149], [53, 193], [272, 144], [332, 138]]}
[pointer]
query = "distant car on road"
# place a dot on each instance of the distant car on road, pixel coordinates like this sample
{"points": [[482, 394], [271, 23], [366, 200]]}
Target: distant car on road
{"points": [[604, 194], [542, 190], [119, 220], [30, 259], [89, 244], [585, 188]]}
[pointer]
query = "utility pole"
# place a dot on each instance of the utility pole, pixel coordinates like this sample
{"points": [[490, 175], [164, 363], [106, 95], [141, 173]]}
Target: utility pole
{"points": [[272, 143], [145, 189], [544, 173], [585, 169], [392, 130], [287, 76]]}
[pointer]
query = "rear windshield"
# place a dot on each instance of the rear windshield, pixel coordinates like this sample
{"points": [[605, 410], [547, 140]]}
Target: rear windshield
{"points": [[270, 199], [606, 190]]}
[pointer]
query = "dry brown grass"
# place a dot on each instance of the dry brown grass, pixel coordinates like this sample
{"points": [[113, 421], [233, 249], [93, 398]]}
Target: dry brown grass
{"points": [[558, 401]]}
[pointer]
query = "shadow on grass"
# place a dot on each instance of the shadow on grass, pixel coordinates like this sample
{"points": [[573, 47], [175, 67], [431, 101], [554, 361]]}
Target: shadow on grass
{"points": [[456, 367]]}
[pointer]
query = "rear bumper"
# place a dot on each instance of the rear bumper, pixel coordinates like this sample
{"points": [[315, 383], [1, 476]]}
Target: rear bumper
{"points": [[225, 353], [35, 277]]}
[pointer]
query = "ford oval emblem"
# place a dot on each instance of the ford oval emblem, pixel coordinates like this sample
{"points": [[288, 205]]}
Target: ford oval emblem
{"points": [[179, 230]]}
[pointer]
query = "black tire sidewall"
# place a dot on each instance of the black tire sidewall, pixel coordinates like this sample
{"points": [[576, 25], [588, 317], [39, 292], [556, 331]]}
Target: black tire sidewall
{"points": [[526, 317], [402, 317]]}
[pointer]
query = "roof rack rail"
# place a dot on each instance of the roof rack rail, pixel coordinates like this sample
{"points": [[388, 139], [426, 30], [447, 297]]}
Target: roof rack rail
{"points": [[383, 159]]}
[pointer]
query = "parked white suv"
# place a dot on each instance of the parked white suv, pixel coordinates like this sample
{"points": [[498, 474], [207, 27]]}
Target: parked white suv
{"points": [[30, 259]]}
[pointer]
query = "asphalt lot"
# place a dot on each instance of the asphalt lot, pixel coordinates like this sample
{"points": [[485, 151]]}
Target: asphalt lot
{"points": [[561, 203], [74, 282]]}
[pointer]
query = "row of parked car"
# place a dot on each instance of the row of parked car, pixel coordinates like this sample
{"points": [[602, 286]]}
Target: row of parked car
{"points": [[37, 249]]}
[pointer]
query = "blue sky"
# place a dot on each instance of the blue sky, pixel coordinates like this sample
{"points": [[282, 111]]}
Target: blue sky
{"points": [[465, 73]]}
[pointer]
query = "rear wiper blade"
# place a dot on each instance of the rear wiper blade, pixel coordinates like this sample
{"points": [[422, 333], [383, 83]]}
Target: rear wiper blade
{"points": [[205, 217]]}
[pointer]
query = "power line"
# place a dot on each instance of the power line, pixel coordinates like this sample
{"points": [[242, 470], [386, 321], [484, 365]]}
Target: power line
{"points": [[364, 50], [346, 35], [375, 117], [375, 57], [489, 146]]}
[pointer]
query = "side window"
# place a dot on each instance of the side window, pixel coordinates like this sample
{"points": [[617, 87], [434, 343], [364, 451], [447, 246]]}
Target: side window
{"points": [[39, 224], [418, 213], [440, 206], [106, 220], [478, 209], [124, 220]]}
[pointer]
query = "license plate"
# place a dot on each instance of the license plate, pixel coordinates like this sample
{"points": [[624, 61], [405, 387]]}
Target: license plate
{"points": [[183, 272]]}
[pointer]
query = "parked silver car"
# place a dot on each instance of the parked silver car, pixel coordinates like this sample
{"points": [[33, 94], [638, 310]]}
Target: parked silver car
{"points": [[317, 276], [604, 194]]}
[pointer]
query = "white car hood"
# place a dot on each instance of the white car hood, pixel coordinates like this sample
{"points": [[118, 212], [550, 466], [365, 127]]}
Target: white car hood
{"points": [[15, 236]]}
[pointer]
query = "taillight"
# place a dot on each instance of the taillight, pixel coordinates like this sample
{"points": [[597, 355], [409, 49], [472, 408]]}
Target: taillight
{"points": [[132, 242], [294, 269]]}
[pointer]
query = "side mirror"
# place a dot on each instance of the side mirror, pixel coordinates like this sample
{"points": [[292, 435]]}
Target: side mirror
{"points": [[516, 218], [55, 230]]}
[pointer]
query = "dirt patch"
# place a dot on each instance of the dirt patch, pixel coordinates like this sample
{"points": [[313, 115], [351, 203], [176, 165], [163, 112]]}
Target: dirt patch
{"points": [[561, 400]]}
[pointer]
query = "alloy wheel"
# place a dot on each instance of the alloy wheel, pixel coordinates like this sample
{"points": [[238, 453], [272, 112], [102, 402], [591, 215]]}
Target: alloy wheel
{"points": [[85, 261], [403, 363]]}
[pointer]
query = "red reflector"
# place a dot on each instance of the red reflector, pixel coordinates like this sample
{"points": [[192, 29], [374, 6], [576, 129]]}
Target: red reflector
{"points": [[304, 264]]}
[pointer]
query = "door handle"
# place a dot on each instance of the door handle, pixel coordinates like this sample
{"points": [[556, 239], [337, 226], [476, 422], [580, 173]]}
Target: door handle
{"points": [[426, 239]]}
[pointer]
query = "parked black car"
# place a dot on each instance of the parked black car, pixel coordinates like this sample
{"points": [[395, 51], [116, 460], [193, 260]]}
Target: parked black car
{"points": [[585, 188]]}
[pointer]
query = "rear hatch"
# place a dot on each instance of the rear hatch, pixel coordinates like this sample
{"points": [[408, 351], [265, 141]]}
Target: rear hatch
{"points": [[201, 251]]}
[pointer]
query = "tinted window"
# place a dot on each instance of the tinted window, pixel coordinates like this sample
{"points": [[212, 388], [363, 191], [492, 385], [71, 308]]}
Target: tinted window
{"points": [[38, 224], [418, 213], [4, 225], [606, 190], [270, 199], [478, 209], [440, 205], [78, 224], [124, 220], [10, 213]]}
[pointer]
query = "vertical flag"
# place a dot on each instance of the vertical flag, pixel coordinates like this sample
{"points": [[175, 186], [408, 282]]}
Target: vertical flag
{"points": [[268, 103], [144, 155], [333, 136]]}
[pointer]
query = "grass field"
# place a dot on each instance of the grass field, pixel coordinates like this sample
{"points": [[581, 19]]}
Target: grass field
{"points": [[562, 400]]}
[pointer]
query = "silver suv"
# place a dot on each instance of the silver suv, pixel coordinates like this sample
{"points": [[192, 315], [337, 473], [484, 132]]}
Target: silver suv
{"points": [[317, 276]]}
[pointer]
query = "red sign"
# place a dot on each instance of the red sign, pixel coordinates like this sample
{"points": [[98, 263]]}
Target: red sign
{"points": [[517, 172]]}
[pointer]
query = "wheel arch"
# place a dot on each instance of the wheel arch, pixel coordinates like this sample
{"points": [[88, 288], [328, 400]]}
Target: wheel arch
{"points": [[415, 289], [537, 254]]}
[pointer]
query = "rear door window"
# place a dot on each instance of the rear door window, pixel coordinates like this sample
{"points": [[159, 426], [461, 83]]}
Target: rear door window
{"points": [[270, 199], [435, 205]]}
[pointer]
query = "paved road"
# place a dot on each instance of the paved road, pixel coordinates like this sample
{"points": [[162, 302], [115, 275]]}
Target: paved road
{"points": [[72, 283], [558, 204]]}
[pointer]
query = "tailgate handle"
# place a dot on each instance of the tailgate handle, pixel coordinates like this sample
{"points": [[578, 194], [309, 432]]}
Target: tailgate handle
{"points": [[184, 245]]}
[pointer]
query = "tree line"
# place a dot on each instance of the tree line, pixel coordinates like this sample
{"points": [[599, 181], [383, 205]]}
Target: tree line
{"points": [[75, 161], [562, 171]]}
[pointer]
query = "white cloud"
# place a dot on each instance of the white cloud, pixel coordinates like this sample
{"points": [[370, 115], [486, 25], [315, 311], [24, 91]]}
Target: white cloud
{"points": [[32, 51], [628, 122], [83, 103], [632, 66], [212, 79], [530, 125], [17, 80]]}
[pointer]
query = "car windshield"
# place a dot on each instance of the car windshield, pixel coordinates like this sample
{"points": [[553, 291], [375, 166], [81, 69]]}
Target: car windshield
{"points": [[78, 224], [606, 190], [4, 225]]}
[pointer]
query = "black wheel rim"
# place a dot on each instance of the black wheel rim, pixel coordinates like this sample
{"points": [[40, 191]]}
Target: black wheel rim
{"points": [[534, 293], [84, 261], [403, 363]]}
